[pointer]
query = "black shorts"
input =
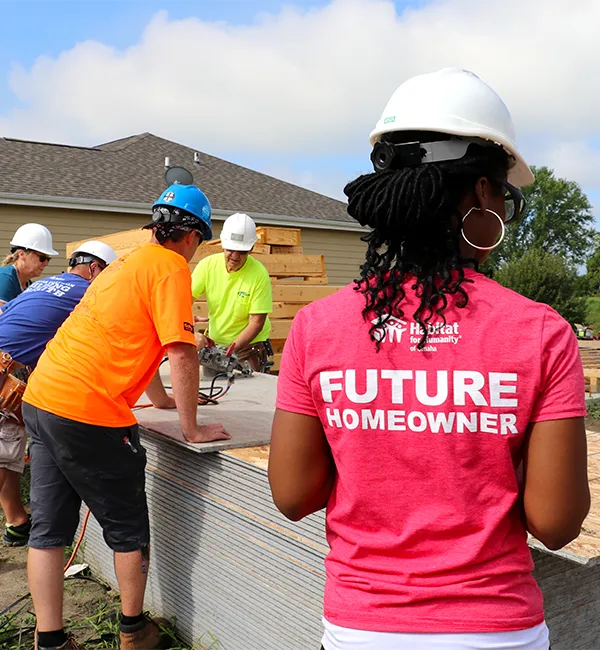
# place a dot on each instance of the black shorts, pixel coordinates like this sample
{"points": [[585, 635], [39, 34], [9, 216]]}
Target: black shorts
{"points": [[71, 462]]}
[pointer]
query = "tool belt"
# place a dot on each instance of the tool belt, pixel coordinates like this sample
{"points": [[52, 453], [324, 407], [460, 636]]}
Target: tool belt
{"points": [[257, 355], [13, 381]]}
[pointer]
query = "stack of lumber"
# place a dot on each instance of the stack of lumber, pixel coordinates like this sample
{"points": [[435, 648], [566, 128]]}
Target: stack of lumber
{"points": [[590, 357], [297, 279]]}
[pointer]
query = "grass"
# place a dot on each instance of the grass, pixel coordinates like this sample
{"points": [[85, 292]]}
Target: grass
{"points": [[593, 407], [25, 484], [99, 630], [593, 315], [96, 610]]}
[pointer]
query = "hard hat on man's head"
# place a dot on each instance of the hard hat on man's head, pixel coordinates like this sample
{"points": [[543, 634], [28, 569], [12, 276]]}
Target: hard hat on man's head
{"points": [[183, 205], [33, 237], [239, 233], [90, 250], [458, 103]]}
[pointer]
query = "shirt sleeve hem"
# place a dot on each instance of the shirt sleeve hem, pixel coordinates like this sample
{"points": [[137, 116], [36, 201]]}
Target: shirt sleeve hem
{"points": [[179, 338], [294, 408], [559, 415]]}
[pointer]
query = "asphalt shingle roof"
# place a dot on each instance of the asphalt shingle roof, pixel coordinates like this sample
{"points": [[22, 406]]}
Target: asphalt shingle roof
{"points": [[132, 170]]}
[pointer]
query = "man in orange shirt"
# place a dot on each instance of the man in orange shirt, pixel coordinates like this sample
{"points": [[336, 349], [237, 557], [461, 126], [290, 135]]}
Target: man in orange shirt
{"points": [[77, 410]]}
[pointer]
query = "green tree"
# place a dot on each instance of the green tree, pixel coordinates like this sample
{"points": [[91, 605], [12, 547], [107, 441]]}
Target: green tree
{"points": [[593, 269], [558, 220], [546, 278]]}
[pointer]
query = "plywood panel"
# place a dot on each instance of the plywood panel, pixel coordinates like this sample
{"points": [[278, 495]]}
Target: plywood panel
{"points": [[301, 292], [279, 236], [281, 265], [280, 329], [284, 250]]}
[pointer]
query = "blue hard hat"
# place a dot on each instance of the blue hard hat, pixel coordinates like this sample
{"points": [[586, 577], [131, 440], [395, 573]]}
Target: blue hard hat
{"points": [[192, 201]]}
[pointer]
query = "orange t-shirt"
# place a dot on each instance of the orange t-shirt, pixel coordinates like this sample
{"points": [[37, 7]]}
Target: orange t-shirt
{"points": [[105, 354]]}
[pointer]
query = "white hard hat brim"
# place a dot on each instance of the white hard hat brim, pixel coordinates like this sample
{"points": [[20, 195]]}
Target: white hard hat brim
{"points": [[519, 174], [231, 245], [45, 251]]}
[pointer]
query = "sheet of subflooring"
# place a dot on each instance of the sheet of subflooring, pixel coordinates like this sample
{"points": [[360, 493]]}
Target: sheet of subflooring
{"points": [[246, 412], [224, 561]]}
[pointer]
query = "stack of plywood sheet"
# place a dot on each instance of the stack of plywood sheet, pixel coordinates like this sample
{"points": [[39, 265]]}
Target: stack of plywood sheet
{"points": [[297, 279]]}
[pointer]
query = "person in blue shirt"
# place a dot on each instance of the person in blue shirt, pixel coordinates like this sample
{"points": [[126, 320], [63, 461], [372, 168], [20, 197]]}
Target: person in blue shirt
{"points": [[31, 250], [27, 323]]}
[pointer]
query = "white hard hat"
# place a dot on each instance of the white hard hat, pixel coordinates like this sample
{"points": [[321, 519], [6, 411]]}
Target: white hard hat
{"points": [[95, 248], [456, 102], [34, 237], [239, 233]]}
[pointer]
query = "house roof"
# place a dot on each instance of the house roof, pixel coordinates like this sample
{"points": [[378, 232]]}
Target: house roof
{"points": [[132, 170]]}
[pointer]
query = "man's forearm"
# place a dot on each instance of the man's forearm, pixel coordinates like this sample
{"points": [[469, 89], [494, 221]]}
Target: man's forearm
{"points": [[185, 379], [250, 332], [156, 391]]}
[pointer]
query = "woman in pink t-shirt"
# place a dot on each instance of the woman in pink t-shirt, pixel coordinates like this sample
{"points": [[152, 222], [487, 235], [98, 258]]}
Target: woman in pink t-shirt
{"points": [[437, 415]]}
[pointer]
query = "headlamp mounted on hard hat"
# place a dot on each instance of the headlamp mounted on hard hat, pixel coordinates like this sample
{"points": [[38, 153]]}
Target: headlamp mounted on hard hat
{"points": [[177, 219], [397, 155], [86, 259]]}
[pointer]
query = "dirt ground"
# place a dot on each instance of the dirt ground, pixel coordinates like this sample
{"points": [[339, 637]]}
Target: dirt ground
{"points": [[90, 609]]}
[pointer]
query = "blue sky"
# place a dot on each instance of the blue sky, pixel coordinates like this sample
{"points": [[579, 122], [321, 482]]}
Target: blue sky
{"points": [[327, 66], [50, 26]]}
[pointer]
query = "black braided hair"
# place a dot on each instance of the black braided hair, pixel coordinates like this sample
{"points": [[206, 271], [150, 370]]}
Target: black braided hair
{"points": [[413, 214]]}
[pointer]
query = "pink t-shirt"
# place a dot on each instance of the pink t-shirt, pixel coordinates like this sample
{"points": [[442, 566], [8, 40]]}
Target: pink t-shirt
{"points": [[424, 522]]}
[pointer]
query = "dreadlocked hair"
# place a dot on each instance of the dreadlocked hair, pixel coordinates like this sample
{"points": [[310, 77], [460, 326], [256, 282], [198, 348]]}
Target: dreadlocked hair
{"points": [[413, 215]]}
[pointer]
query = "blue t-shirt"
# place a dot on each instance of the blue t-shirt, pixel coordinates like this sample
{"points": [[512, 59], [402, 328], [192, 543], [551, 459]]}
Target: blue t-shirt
{"points": [[10, 287], [29, 321]]}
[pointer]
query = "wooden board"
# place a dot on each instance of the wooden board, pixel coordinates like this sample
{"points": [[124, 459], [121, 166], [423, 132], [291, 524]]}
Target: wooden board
{"points": [[125, 242], [280, 329], [301, 292], [276, 362], [279, 236], [277, 345], [321, 279], [285, 309], [262, 249], [286, 250], [281, 265], [119, 241]]}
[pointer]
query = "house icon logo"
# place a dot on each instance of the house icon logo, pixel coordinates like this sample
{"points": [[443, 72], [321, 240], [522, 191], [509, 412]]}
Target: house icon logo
{"points": [[390, 331]]}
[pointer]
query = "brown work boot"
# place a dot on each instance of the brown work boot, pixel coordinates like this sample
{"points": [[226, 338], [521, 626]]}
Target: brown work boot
{"points": [[146, 635]]}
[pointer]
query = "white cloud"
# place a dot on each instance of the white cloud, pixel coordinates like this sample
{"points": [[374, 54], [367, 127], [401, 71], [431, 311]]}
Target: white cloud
{"points": [[310, 80], [577, 160], [314, 82]]}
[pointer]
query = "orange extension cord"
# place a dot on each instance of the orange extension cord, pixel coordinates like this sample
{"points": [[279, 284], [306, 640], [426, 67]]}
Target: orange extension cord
{"points": [[81, 534]]}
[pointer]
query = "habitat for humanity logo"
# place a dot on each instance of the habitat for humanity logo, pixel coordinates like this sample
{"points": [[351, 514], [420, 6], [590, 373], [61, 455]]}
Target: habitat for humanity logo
{"points": [[390, 330]]}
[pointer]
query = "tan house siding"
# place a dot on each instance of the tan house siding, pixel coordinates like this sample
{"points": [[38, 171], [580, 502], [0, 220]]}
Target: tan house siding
{"points": [[65, 226], [344, 252]]}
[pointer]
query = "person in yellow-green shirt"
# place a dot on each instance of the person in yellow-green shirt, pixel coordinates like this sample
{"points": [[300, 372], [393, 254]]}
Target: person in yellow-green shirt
{"points": [[238, 293]]}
